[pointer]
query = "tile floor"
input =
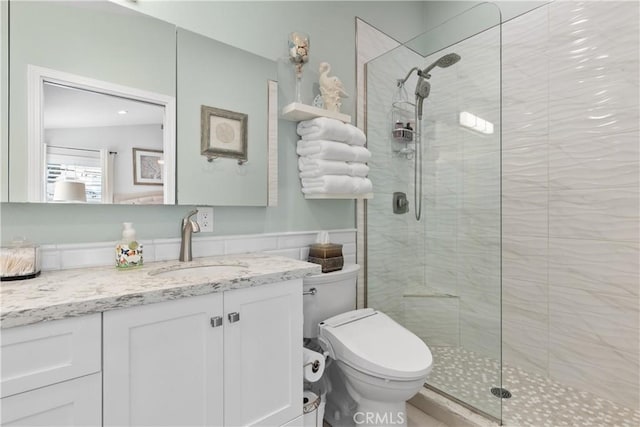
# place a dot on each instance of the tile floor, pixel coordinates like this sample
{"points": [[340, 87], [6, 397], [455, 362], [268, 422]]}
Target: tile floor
{"points": [[536, 401]]}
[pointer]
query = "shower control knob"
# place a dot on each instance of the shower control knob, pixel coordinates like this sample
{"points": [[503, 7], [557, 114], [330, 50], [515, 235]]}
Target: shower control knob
{"points": [[400, 203]]}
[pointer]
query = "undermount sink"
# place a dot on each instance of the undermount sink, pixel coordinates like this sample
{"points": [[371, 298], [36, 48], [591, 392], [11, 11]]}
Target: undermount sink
{"points": [[197, 270]]}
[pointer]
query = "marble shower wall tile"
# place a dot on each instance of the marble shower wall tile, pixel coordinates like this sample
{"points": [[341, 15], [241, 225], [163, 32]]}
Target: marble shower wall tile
{"points": [[604, 214], [594, 162], [525, 169], [525, 259], [599, 266], [525, 214], [570, 196], [596, 369], [432, 318], [525, 331]]}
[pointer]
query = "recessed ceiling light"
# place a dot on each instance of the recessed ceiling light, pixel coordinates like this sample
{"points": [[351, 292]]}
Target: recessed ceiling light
{"points": [[122, 112]]}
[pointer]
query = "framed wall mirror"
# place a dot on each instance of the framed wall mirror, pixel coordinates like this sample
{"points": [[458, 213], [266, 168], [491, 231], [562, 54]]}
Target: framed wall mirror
{"points": [[67, 59]]}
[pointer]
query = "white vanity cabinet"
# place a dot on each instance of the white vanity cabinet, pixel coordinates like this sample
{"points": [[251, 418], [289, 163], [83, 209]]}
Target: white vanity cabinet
{"points": [[231, 358], [51, 373]]}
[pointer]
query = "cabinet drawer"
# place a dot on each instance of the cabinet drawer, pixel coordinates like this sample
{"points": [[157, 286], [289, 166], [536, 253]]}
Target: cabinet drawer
{"points": [[71, 403], [49, 352]]}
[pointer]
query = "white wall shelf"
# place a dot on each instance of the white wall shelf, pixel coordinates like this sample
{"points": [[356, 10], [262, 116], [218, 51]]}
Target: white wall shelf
{"points": [[297, 112], [339, 196]]}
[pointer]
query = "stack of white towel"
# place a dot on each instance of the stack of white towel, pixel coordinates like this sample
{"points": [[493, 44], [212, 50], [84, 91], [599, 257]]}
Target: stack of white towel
{"points": [[332, 158]]}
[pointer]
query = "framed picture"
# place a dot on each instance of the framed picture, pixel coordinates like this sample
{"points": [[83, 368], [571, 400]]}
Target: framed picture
{"points": [[147, 166], [223, 133]]}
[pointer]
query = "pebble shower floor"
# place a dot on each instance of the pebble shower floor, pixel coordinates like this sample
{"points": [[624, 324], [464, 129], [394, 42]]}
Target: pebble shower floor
{"points": [[536, 401]]}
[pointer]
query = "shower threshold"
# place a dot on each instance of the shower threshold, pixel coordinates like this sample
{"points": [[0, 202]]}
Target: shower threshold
{"points": [[463, 404]]}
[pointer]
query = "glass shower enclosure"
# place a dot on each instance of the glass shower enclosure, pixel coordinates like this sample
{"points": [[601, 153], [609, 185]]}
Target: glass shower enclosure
{"points": [[440, 276]]}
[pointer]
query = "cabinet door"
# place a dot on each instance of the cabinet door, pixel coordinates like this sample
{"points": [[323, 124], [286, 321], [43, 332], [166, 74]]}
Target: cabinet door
{"points": [[263, 355], [69, 403], [163, 364]]}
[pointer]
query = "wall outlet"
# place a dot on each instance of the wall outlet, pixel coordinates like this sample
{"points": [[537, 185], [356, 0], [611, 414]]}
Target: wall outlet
{"points": [[205, 219]]}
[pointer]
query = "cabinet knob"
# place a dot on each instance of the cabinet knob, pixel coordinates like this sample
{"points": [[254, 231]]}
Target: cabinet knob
{"points": [[216, 321], [234, 317]]}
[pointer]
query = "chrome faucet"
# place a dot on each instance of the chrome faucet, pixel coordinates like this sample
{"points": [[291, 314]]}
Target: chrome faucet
{"points": [[189, 226]]}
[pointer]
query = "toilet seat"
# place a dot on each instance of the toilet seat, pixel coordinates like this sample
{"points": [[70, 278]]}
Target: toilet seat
{"points": [[371, 342]]}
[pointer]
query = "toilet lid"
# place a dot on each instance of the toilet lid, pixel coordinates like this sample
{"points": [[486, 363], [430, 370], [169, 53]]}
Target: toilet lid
{"points": [[371, 342]]}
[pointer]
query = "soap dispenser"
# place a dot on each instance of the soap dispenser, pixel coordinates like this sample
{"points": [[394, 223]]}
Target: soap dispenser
{"points": [[128, 250]]}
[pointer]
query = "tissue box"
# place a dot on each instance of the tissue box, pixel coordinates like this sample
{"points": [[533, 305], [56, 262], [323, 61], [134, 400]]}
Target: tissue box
{"points": [[328, 255], [328, 264], [19, 261], [325, 250]]}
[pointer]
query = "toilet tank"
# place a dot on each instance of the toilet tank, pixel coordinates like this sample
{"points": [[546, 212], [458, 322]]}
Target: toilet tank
{"points": [[335, 293]]}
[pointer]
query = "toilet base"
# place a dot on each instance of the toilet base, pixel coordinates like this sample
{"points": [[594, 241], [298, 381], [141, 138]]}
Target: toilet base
{"points": [[347, 408], [368, 414]]}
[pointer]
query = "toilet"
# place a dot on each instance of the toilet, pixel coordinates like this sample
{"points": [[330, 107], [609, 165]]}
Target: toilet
{"points": [[375, 365]]}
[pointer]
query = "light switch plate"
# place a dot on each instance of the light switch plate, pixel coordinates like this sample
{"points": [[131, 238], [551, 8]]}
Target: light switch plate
{"points": [[205, 219]]}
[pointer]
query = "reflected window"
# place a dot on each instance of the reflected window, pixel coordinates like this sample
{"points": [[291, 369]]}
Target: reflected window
{"points": [[76, 165], [90, 138]]}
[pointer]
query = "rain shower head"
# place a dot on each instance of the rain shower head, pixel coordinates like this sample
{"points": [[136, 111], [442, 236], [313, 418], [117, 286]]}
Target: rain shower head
{"points": [[444, 62], [423, 88]]}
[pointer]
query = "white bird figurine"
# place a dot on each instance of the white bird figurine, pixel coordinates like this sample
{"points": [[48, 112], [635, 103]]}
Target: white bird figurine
{"points": [[331, 88]]}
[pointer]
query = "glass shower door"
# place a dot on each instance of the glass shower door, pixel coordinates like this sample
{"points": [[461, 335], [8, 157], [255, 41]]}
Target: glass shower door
{"points": [[440, 276]]}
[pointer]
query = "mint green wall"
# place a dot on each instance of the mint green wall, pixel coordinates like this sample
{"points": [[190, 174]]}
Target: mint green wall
{"points": [[265, 25]]}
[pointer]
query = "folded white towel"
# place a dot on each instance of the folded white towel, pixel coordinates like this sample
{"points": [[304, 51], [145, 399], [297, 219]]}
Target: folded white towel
{"points": [[312, 168], [337, 184], [331, 129], [331, 150]]}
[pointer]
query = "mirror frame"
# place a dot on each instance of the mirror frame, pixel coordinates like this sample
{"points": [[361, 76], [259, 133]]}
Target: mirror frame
{"points": [[36, 157]]}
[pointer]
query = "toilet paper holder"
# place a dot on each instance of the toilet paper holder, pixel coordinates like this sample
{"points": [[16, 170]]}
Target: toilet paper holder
{"points": [[315, 365]]}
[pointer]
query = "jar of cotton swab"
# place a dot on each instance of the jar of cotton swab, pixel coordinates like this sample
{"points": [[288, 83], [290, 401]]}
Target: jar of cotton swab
{"points": [[19, 260]]}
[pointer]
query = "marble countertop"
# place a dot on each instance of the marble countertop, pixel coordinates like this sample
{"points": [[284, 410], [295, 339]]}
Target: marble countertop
{"points": [[69, 293]]}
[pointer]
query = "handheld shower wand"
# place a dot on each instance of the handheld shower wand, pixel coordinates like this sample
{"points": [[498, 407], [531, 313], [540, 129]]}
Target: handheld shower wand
{"points": [[422, 92], [423, 87]]}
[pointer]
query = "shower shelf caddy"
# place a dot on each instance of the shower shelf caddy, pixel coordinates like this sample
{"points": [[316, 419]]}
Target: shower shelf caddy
{"points": [[402, 128], [296, 112]]}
